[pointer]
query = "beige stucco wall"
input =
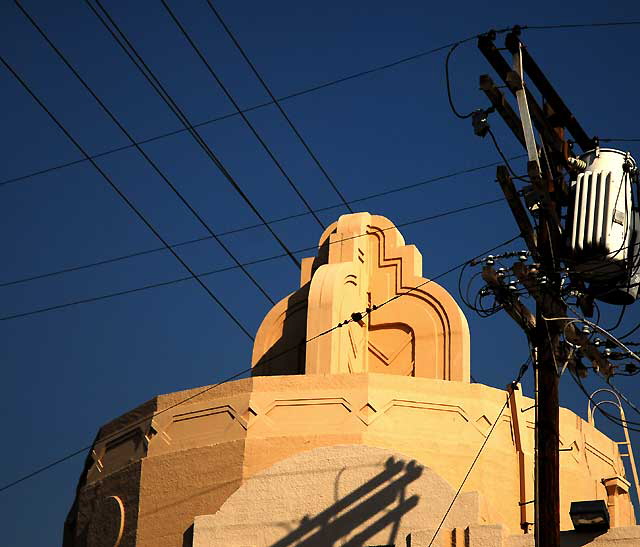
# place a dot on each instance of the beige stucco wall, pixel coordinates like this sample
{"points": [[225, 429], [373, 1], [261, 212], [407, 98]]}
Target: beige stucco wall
{"points": [[336, 495], [355, 495], [194, 456]]}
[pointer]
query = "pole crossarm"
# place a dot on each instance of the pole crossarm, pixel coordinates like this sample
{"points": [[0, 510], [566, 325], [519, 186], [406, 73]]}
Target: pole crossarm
{"points": [[502, 106], [556, 309], [511, 304], [514, 83], [513, 44], [517, 208]]}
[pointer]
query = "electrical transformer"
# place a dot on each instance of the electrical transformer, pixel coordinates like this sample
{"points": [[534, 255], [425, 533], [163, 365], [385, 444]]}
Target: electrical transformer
{"points": [[604, 225]]}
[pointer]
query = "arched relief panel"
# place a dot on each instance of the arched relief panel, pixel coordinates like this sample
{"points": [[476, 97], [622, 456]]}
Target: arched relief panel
{"points": [[398, 355], [363, 261], [414, 347]]}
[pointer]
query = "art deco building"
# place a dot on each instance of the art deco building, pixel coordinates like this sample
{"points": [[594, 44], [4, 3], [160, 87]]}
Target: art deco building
{"points": [[358, 437]]}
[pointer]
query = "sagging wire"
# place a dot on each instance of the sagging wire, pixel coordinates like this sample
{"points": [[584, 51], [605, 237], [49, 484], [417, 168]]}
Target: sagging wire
{"points": [[514, 385], [614, 419], [504, 157]]}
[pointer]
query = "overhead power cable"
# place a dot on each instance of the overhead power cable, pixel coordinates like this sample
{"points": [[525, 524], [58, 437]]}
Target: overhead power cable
{"points": [[225, 269], [611, 417], [619, 321], [626, 399], [121, 39], [514, 384], [473, 463], [277, 103], [448, 81], [302, 92], [504, 158], [629, 333], [246, 120], [582, 25], [148, 159], [79, 451], [253, 226], [125, 198], [232, 114], [238, 374]]}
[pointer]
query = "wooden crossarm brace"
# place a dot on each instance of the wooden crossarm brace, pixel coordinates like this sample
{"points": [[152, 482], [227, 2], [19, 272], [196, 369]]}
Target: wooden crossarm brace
{"points": [[557, 308], [517, 208], [502, 106], [516, 309]]}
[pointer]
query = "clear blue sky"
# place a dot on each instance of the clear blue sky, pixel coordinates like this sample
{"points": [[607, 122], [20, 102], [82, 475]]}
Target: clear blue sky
{"points": [[67, 371]]}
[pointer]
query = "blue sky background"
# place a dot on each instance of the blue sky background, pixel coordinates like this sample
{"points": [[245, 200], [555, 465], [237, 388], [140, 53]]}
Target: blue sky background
{"points": [[65, 372]]}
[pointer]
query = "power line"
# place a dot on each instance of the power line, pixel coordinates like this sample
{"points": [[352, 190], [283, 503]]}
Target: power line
{"points": [[448, 81], [148, 159], [124, 197], [523, 369], [302, 92], [236, 375], [629, 333], [504, 158], [100, 263], [262, 142], [582, 25], [233, 114], [631, 404], [254, 226], [620, 317], [613, 419], [464, 480], [618, 343], [448, 271], [258, 261], [175, 109], [277, 103], [139, 422]]}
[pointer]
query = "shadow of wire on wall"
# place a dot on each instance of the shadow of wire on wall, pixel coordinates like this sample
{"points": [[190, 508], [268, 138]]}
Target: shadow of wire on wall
{"points": [[376, 506]]}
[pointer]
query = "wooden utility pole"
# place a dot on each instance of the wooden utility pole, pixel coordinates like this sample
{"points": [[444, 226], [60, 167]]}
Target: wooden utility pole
{"points": [[544, 330], [547, 464], [547, 343], [543, 284], [544, 197]]}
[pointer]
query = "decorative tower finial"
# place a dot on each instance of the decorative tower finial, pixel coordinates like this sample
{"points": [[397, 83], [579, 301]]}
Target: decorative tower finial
{"points": [[363, 262]]}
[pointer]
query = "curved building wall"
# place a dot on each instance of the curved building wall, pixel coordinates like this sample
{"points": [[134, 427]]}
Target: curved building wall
{"points": [[192, 457]]}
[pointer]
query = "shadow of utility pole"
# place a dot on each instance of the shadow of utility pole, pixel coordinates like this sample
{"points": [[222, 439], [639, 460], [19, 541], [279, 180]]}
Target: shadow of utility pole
{"points": [[379, 503]]}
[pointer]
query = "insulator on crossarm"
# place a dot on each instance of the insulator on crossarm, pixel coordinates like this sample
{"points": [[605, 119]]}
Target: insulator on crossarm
{"points": [[577, 163]]}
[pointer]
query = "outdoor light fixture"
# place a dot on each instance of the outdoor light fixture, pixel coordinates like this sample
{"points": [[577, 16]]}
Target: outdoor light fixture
{"points": [[589, 516]]}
